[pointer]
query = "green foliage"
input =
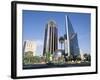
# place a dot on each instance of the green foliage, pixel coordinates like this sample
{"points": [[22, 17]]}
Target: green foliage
{"points": [[78, 58], [48, 57], [69, 58], [43, 59], [36, 59], [28, 54], [28, 58], [87, 57], [61, 60], [58, 60]]}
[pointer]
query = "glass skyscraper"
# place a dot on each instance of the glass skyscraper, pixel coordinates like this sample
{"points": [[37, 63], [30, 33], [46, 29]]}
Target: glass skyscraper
{"points": [[71, 46], [50, 38]]}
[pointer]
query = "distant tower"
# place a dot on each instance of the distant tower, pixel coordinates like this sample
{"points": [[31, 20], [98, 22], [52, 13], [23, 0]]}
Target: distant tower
{"points": [[50, 38], [71, 37], [29, 47], [65, 44], [81, 54]]}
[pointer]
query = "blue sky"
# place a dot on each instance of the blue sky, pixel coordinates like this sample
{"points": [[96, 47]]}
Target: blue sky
{"points": [[34, 27]]}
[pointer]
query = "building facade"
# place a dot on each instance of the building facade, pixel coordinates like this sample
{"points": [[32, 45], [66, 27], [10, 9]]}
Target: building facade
{"points": [[50, 38], [71, 46], [29, 47]]}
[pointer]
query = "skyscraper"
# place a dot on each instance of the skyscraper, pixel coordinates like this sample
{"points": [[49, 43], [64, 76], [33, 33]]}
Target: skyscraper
{"points": [[50, 38], [72, 41]]}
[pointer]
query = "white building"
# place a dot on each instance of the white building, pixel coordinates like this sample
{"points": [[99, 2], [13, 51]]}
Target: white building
{"points": [[29, 46], [81, 54]]}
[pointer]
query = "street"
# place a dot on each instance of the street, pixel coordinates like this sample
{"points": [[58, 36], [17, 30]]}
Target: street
{"points": [[51, 65]]}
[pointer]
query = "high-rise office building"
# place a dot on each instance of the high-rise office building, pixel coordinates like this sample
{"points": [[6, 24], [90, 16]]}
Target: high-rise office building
{"points": [[29, 48], [50, 38], [71, 46]]}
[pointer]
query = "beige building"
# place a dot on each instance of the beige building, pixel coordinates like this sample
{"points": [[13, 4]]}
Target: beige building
{"points": [[29, 46]]}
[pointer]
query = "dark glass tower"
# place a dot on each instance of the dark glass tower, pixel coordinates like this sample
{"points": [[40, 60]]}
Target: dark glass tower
{"points": [[72, 41], [50, 38]]}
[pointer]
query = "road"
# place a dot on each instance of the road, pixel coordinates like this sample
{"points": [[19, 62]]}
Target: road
{"points": [[37, 66]]}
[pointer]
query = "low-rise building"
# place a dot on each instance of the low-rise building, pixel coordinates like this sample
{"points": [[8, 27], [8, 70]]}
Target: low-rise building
{"points": [[29, 47]]}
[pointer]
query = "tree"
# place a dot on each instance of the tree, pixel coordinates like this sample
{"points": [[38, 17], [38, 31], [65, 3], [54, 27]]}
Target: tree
{"points": [[29, 54], [61, 40], [70, 58], [36, 59], [78, 58], [48, 57], [42, 59], [87, 57], [61, 59], [28, 57]]}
